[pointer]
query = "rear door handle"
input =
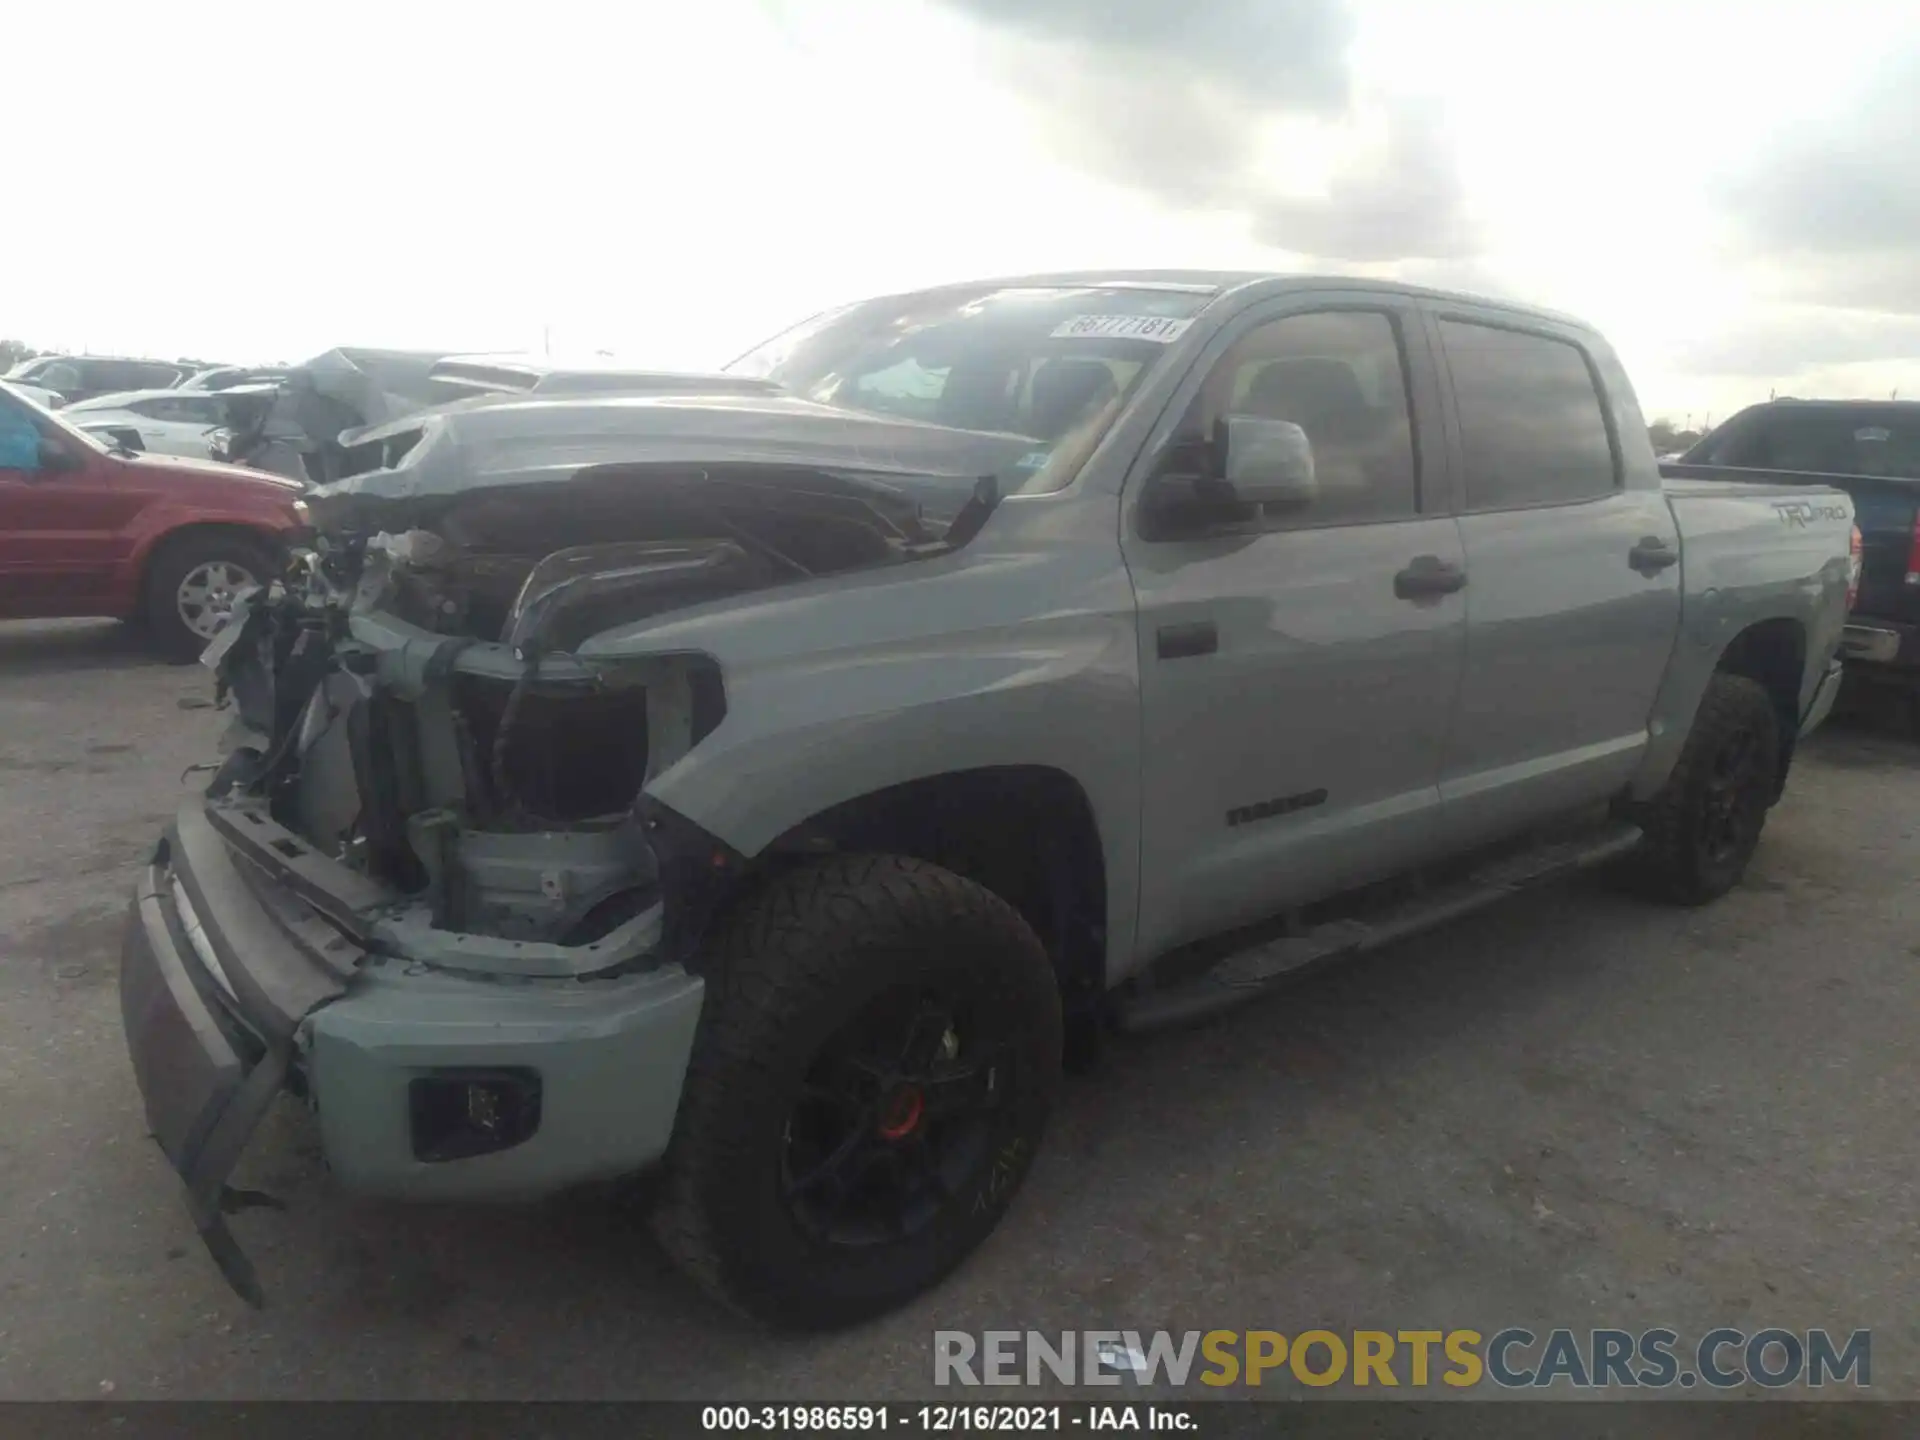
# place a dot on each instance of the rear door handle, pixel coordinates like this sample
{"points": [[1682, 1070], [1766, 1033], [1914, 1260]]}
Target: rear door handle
{"points": [[1652, 555], [1183, 642], [1428, 576]]}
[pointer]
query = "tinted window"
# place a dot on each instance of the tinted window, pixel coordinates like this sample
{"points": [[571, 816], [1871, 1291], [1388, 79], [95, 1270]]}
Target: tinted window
{"points": [[188, 409], [1826, 442], [19, 437], [1531, 422], [59, 375], [1339, 376], [130, 374], [108, 377]]}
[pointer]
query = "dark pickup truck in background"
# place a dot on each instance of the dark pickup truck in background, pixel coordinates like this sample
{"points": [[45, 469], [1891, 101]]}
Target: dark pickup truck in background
{"points": [[1871, 450]]}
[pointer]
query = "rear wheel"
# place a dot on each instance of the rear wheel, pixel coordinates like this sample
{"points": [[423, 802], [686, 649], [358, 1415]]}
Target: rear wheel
{"points": [[1702, 828], [879, 1051], [191, 585]]}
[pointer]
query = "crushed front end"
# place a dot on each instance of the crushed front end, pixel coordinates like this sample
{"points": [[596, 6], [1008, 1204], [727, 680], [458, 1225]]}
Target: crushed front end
{"points": [[424, 890]]}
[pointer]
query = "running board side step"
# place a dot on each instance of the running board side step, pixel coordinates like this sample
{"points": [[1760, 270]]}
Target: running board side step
{"points": [[1249, 973]]}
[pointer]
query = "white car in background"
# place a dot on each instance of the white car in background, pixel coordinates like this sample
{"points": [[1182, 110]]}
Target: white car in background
{"points": [[82, 377], [168, 422], [46, 399], [225, 377]]}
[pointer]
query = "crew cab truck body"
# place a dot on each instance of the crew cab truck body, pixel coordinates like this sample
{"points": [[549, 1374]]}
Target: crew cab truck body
{"points": [[770, 783], [1870, 450], [92, 529]]}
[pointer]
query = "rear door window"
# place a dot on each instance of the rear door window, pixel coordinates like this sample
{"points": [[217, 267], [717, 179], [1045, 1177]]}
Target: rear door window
{"points": [[116, 375], [187, 409], [1532, 421]]}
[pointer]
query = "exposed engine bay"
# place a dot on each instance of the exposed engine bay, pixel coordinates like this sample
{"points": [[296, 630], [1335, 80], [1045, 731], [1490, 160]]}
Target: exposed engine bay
{"points": [[409, 706]]}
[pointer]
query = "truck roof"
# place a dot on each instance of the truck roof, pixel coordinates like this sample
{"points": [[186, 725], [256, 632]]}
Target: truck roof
{"points": [[1222, 282], [1795, 402]]}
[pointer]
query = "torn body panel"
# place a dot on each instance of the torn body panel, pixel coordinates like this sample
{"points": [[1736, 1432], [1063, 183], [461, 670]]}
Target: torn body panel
{"points": [[234, 987], [460, 724]]}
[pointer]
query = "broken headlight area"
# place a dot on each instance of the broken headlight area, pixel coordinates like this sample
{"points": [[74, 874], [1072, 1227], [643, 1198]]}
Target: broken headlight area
{"points": [[463, 801], [484, 823], [410, 711]]}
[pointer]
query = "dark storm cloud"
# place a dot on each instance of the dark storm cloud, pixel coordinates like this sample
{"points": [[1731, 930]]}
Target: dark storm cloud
{"points": [[1168, 98], [1834, 211]]}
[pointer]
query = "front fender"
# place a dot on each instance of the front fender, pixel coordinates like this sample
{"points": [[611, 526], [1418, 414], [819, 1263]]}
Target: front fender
{"points": [[837, 689]]}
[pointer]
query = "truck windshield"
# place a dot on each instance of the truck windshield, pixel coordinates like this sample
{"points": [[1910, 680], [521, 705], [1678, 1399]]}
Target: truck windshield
{"points": [[1053, 363]]}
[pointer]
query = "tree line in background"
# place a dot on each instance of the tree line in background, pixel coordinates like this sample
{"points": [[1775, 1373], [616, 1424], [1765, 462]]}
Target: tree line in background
{"points": [[1668, 437]]}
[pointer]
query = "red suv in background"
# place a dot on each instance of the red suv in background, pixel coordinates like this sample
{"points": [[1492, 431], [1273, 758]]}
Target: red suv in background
{"points": [[90, 530]]}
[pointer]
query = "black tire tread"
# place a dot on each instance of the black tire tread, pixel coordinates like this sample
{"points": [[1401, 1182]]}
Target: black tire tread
{"points": [[774, 956], [1663, 863]]}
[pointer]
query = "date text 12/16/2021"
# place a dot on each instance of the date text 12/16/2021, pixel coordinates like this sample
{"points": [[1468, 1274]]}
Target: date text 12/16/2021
{"points": [[945, 1419]]}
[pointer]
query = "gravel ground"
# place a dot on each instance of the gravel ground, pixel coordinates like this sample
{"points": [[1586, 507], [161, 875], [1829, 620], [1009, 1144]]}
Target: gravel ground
{"points": [[1575, 1110]]}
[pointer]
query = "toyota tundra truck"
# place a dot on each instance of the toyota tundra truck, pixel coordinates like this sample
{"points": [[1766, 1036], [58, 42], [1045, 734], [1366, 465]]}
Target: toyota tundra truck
{"points": [[765, 783]]}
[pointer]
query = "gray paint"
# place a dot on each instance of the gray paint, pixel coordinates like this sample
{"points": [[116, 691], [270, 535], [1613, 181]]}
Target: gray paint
{"points": [[532, 441], [610, 1054], [1557, 677]]}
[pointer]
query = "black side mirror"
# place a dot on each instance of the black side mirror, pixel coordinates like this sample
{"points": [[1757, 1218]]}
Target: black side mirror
{"points": [[1221, 481]]}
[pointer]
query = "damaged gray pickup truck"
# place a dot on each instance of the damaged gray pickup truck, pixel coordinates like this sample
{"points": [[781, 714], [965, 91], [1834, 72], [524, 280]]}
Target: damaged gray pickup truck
{"points": [[767, 781]]}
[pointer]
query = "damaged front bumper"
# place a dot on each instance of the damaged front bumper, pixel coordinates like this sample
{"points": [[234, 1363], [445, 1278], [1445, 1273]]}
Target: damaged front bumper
{"points": [[427, 891], [233, 988]]}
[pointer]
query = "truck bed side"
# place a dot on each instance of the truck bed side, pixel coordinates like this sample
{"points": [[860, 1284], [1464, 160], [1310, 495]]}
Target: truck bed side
{"points": [[1763, 566]]}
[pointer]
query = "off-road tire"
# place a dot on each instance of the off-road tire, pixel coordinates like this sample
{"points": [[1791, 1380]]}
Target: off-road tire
{"points": [[173, 560], [1674, 861], [789, 967]]}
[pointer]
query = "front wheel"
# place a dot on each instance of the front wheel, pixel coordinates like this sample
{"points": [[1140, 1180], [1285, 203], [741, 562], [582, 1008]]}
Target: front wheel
{"points": [[191, 586], [877, 1056], [1702, 828]]}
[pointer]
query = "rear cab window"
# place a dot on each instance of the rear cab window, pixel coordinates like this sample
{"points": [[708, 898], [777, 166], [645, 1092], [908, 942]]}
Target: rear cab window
{"points": [[1533, 425], [1821, 441]]}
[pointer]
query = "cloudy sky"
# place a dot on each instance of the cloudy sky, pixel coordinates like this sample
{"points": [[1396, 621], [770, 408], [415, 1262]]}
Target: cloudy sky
{"points": [[1728, 190]]}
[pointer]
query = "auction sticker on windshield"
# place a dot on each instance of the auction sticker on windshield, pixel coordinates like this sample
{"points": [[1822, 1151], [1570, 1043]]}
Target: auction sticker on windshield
{"points": [[1121, 327]]}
